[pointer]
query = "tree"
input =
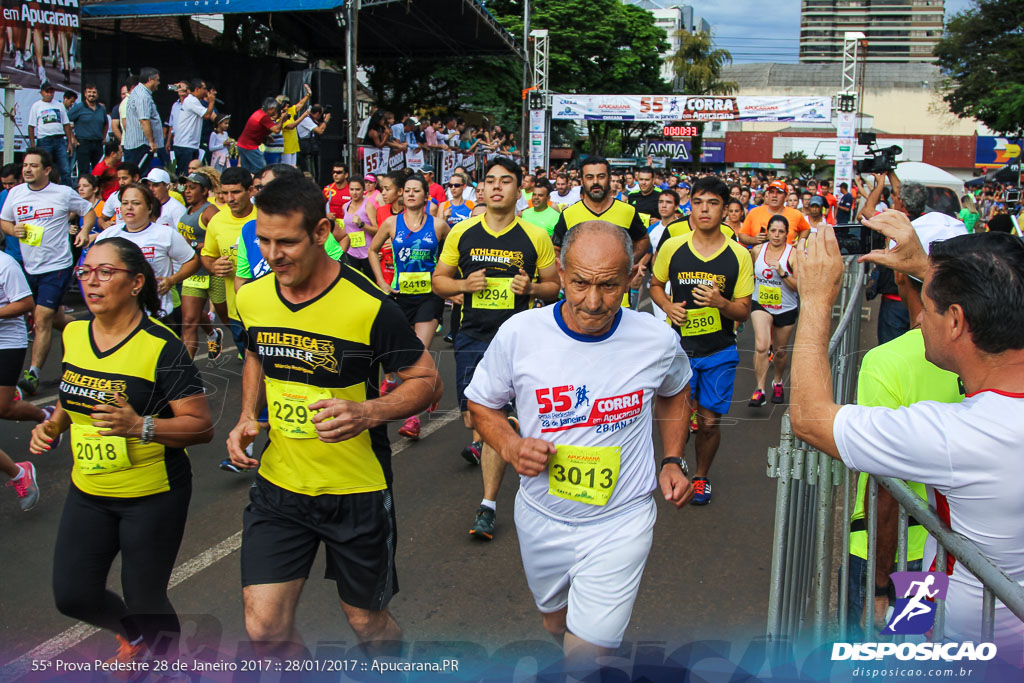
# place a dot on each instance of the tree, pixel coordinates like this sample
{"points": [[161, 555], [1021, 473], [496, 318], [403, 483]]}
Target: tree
{"points": [[797, 164], [699, 65], [482, 84], [982, 58], [596, 47]]}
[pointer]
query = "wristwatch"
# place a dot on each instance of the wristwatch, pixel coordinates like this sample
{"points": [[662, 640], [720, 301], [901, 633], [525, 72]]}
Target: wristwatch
{"points": [[783, 274], [676, 461], [148, 429]]}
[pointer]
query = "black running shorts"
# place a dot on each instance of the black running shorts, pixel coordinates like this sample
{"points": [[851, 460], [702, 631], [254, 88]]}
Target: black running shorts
{"points": [[282, 532]]}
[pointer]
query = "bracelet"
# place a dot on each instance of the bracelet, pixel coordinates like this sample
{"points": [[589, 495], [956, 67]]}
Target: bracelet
{"points": [[676, 461], [148, 429]]}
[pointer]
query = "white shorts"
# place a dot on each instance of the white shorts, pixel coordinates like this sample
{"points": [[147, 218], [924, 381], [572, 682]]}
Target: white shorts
{"points": [[593, 567]]}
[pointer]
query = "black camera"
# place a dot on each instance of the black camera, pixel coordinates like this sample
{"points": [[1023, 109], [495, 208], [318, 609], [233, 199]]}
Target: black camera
{"points": [[880, 160], [856, 239]]}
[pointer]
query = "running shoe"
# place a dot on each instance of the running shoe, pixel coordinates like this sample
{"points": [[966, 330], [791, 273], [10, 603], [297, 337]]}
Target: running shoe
{"points": [[17, 394], [778, 393], [693, 420], [439, 328], [214, 346], [411, 428], [432, 407], [483, 527], [19, 62], [449, 338], [29, 383], [758, 399], [702, 488], [229, 466], [387, 386], [127, 655], [49, 411], [771, 353], [471, 453], [26, 488]]}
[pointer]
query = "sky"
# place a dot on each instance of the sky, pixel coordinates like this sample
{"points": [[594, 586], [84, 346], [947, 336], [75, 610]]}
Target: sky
{"points": [[753, 33]]}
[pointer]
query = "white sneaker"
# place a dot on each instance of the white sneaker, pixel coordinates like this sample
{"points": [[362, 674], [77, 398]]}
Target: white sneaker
{"points": [[42, 74], [19, 63], [60, 63]]}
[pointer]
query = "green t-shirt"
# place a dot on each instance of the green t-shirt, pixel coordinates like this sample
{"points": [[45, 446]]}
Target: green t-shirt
{"points": [[542, 219], [970, 218], [892, 375], [331, 246]]}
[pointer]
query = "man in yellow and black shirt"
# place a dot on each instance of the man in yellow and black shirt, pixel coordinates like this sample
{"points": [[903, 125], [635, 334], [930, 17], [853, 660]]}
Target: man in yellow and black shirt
{"points": [[599, 203], [326, 474], [681, 227], [712, 280], [498, 264]]}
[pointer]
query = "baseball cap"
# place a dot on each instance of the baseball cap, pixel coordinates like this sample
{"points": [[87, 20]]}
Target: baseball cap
{"points": [[413, 121], [200, 179], [816, 200], [934, 227], [370, 178], [427, 168], [158, 175], [778, 185]]}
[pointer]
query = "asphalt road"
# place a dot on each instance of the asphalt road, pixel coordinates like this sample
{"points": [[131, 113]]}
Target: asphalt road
{"points": [[706, 578]]}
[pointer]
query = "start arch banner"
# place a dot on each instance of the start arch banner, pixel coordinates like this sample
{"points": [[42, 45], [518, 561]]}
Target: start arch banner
{"points": [[690, 108]]}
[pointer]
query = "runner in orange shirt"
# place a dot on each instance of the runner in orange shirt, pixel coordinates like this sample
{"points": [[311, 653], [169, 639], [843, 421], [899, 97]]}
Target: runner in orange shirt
{"points": [[755, 226]]}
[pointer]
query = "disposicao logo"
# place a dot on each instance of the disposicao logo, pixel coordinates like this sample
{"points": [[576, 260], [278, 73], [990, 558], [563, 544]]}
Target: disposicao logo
{"points": [[914, 611], [914, 614]]}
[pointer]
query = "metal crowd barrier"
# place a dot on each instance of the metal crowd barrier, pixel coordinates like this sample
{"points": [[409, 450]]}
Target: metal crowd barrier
{"points": [[379, 161], [810, 485]]}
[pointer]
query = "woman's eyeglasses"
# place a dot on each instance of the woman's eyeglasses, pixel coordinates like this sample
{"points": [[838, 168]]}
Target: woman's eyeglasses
{"points": [[103, 273]]}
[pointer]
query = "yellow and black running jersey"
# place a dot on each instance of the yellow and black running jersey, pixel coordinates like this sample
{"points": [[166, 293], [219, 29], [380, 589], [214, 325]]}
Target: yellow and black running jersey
{"points": [[150, 368], [682, 227], [472, 245], [331, 346], [619, 213], [730, 269]]}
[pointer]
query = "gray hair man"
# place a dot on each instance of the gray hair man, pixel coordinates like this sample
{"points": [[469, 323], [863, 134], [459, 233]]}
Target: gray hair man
{"points": [[585, 452]]}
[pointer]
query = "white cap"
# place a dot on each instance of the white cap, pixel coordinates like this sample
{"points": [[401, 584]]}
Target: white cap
{"points": [[158, 175], [936, 227]]}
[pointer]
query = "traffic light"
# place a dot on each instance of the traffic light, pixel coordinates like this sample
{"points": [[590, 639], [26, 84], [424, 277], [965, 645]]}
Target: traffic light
{"points": [[846, 102], [536, 100]]}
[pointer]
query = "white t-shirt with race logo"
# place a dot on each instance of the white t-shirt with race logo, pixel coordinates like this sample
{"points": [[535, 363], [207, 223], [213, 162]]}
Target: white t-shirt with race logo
{"points": [[48, 208], [13, 287], [48, 118], [112, 207], [164, 248], [171, 212], [970, 454], [584, 391]]}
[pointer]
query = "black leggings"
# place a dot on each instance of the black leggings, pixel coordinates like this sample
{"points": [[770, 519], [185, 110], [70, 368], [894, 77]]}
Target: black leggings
{"points": [[147, 532]]}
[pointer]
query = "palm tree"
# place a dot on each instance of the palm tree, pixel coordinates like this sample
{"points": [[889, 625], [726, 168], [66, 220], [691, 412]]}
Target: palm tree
{"points": [[699, 65]]}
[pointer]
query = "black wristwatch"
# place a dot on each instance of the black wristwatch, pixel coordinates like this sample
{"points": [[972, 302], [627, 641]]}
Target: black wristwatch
{"points": [[676, 461], [783, 274]]}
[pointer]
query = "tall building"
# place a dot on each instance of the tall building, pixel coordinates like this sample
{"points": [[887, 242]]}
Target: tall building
{"points": [[672, 17], [896, 30]]}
